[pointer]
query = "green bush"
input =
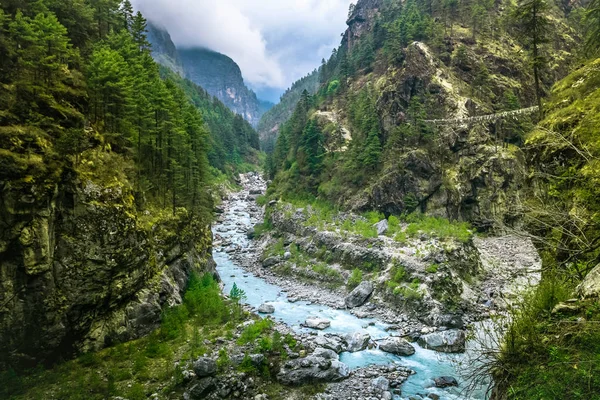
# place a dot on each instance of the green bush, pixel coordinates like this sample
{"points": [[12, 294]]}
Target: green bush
{"points": [[432, 269], [355, 278], [438, 227], [252, 332]]}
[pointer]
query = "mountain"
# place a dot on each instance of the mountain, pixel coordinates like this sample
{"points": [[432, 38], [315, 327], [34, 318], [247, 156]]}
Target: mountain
{"points": [[268, 127], [369, 138], [218, 74]]}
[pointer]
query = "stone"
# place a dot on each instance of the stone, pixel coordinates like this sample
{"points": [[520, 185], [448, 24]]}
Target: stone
{"points": [[287, 255], [382, 227], [396, 345], [266, 308], [312, 370], [450, 341], [382, 384], [202, 388], [256, 359], [317, 323], [251, 234], [445, 381], [205, 366], [357, 341], [590, 287], [325, 353], [566, 309], [359, 295], [270, 261], [255, 191], [332, 343], [387, 396], [434, 396]]}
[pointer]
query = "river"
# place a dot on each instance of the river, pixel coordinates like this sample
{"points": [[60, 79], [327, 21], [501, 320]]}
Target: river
{"points": [[427, 364]]}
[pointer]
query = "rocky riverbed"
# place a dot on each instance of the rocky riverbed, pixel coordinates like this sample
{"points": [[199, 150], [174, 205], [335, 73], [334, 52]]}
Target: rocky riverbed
{"points": [[355, 340]]}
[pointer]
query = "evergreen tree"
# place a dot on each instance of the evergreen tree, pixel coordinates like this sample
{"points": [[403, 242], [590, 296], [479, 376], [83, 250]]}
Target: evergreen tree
{"points": [[530, 17], [592, 20]]}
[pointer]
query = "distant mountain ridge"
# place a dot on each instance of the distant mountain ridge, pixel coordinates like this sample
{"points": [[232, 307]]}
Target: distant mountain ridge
{"points": [[217, 73]]}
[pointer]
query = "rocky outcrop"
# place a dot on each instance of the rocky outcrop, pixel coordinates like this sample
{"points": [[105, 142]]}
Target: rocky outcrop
{"points": [[317, 323], [360, 20], [79, 269]]}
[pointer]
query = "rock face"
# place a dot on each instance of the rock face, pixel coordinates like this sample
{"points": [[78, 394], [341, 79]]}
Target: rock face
{"points": [[590, 287], [359, 295], [382, 227], [451, 341], [201, 389], [76, 267], [312, 369], [317, 323], [396, 345], [204, 366]]}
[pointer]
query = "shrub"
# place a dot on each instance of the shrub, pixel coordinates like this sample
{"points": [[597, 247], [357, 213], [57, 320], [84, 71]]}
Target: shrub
{"points": [[432, 269], [355, 278], [252, 332]]}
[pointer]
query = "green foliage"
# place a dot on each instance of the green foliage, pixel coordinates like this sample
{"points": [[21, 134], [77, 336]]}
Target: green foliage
{"points": [[544, 353], [438, 227], [254, 331], [592, 20], [432, 269], [355, 278]]}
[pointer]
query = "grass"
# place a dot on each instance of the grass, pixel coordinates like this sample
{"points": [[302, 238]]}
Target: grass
{"points": [[441, 228], [355, 278], [254, 331], [550, 356]]}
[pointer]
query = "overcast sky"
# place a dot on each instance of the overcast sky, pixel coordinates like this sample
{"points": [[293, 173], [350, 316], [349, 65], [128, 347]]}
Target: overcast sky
{"points": [[274, 42]]}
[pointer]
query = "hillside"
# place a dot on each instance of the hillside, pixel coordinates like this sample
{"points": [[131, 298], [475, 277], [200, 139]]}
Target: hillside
{"points": [[216, 73], [268, 127], [365, 140]]}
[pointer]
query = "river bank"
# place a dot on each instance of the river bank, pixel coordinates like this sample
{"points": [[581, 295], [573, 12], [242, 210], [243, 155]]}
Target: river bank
{"points": [[293, 301]]}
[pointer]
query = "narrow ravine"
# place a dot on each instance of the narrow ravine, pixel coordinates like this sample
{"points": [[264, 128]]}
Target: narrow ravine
{"points": [[240, 213]]}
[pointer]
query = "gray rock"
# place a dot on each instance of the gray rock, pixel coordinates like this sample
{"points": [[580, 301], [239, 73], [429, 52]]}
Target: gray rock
{"points": [[382, 227], [205, 366], [287, 255], [266, 308], [396, 345], [590, 287], [332, 343], [251, 234], [451, 341], [255, 191], [270, 261], [317, 323], [359, 295], [325, 353], [434, 396], [357, 341], [382, 384], [445, 381], [312, 370], [202, 388], [387, 396]]}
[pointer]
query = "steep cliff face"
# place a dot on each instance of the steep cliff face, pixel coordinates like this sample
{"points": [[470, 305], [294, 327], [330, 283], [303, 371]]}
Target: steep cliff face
{"points": [[164, 51], [216, 73], [81, 270], [220, 76]]}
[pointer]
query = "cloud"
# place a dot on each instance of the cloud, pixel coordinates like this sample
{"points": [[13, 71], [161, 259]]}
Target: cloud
{"points": [[274, 42]]}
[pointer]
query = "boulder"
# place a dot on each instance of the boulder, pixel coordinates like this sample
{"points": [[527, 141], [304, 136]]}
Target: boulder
{"points": [[251, 234], [205, 366], [590, 287], [380, 384], [329, 342], [450, 341], [255, 191], [359, 295], [270, 261], [357, 341], [266, 309], [201, 389], [325, 353], [396, 345], [312, 370], [445, 381], [317, 323], [382, 227]]}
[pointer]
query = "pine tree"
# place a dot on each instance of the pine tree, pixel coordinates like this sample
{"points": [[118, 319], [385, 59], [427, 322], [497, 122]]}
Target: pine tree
{"points": [[531, 19], [592, 20]]}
